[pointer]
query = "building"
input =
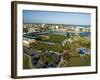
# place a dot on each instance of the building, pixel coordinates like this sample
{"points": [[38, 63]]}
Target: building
{"points": [[28, 42]]}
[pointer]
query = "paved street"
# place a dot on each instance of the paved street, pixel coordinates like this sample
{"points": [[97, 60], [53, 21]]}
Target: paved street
{"points": [[35, 58]]}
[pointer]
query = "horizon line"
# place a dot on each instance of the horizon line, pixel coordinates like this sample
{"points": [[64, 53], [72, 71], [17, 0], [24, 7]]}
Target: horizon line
{"points": [[59, 24]]}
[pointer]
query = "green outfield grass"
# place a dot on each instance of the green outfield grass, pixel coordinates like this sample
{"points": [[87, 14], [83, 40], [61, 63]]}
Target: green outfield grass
{"points": [[55, 38]]}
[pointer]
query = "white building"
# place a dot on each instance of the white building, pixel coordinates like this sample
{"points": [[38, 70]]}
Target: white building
{"points": [[28, 42]]}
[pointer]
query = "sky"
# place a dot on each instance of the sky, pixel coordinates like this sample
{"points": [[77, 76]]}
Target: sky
{"points": [[54, 17]]}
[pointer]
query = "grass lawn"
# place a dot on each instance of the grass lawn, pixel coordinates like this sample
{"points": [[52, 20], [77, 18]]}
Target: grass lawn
{"points": [[79, 61], [39, 46], [46, 58], [25, 62], [55, 38]]}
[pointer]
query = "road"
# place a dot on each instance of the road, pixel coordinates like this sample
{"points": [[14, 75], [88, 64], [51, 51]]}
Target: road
{"points": [[35, 59]]}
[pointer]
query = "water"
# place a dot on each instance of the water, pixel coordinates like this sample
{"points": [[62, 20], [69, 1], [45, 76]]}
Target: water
{"points": [[83, 50], [85, 34], [82, 34]]}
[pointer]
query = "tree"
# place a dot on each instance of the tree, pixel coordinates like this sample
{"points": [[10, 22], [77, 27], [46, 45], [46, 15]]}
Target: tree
{"points": [[25, 30], [81, 29], [68, 35]]}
